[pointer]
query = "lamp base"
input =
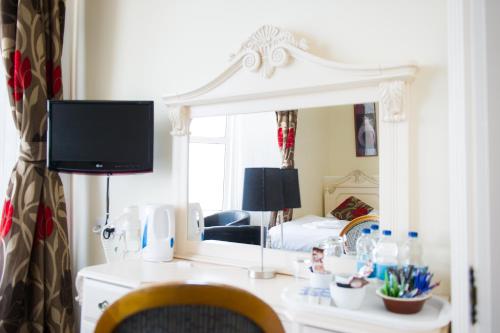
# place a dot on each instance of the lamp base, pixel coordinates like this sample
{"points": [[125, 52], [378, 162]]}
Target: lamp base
{"points": [[258, 272]]}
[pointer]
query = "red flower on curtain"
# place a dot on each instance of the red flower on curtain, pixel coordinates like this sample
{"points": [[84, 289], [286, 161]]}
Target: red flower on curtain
{"points": [[280, 137], [44, 222], [20, 75], [54, 78], [6, 222], [290, 138]]}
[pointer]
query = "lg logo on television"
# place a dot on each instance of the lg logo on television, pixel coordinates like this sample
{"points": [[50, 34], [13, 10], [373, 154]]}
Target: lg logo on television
{"points": [[98, 165]]}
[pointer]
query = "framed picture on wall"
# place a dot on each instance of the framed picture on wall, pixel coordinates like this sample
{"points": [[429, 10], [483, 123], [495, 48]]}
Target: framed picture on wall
{"points": [[365, 129]]}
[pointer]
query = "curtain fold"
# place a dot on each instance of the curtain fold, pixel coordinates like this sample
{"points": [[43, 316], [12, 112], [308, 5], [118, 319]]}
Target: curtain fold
{"points": [[35, 268], [287, 130]]}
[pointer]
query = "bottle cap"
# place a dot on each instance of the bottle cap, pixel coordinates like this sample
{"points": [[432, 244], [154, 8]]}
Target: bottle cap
{"points": [[413, 234], [374, 226], [366, 231], [387, 233]]}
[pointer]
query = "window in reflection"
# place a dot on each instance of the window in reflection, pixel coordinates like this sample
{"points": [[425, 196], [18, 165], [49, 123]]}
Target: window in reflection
{"points": [[207, 159]]}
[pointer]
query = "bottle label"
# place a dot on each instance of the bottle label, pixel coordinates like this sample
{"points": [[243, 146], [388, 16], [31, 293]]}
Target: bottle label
{"points": [[382, 268]]}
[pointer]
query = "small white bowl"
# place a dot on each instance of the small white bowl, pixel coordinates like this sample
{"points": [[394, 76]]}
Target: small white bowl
{"points": [[347, 298], [321, 280]]}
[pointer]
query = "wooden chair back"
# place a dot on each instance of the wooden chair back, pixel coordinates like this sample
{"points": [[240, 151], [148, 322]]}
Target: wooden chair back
{"points": [[226, 297]]}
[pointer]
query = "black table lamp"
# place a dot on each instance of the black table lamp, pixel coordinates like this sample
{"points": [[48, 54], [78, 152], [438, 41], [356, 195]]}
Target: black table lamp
{"points": [[262, 192], [291, 192]]}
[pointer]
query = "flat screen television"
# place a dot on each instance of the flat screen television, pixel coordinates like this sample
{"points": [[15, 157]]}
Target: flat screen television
{"points": [[104, 137]]}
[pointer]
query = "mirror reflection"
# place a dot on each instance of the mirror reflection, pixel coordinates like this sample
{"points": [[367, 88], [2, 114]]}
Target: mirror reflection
{"points": [[333, 149]]}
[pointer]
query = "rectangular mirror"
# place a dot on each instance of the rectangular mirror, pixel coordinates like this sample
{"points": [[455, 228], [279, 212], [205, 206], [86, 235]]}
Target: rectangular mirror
{"points": [[334, 150]]}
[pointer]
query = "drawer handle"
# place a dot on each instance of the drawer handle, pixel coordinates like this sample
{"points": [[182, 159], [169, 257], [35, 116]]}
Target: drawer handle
{"points": [[103, 305]]}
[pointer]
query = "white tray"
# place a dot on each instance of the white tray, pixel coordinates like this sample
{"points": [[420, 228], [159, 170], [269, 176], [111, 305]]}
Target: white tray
{"points": [[435, 314]]}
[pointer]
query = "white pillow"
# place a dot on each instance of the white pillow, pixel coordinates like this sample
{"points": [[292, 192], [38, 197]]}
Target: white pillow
{"points": [[330, 216]]}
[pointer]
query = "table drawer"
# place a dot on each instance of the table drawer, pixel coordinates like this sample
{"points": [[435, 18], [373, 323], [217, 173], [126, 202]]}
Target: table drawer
{"points": [[97, 296]]}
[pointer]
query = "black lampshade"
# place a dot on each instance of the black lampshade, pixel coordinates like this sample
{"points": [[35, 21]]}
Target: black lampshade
{"points": [[291, 189], [263, 190]]}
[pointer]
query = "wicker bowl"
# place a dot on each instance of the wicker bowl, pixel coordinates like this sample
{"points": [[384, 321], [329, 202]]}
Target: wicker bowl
{"points": [[404, 305]]}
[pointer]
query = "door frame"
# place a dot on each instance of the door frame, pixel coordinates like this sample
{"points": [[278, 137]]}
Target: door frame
{"points": [[470, 161]]}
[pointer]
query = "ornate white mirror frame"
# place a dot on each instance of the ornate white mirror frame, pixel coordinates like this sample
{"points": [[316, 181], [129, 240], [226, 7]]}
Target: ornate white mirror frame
{"points": [[272, 71]]}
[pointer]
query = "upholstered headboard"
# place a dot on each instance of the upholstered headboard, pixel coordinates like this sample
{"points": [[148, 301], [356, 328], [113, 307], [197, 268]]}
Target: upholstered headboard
{"points": [[356, 183]]}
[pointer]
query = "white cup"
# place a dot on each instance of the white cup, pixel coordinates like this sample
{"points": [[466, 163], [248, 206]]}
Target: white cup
{"points": [[320, 280], [347, 298]]}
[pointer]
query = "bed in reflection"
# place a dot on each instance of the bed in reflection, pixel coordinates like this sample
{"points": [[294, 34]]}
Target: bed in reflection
{"points": [[352, 191], [304, 233]]}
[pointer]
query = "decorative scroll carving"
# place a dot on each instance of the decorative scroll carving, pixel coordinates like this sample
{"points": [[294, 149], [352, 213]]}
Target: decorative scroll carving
{"points": [[180, 120], [356, 178], [392, 100], [266, 49], [360, 177]]}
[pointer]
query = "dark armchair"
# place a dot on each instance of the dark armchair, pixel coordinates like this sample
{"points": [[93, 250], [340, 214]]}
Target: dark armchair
{"points": [[231, 226], [228, 217], [245, 234]]}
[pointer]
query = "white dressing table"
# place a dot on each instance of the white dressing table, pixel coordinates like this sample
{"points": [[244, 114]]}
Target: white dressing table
{"points": [[99, 286]]}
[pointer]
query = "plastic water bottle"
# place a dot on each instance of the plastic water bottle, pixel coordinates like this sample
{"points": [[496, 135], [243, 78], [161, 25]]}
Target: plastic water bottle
{"points": [[364, 250], [375, 233], [130, 224], [411, 251], [385, 254]]}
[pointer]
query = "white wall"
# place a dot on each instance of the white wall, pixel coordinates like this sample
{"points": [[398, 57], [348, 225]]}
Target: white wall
{"points": [[325, 146], [342, 152], [145, 49], [311, 159]]}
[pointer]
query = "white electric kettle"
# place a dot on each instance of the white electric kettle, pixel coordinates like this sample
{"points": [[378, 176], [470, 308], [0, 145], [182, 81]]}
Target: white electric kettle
{"points": [[158, 233]]}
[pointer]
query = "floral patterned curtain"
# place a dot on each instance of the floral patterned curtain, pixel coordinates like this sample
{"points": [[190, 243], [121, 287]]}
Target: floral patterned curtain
{"points": [[35, 280], [287, 129]]}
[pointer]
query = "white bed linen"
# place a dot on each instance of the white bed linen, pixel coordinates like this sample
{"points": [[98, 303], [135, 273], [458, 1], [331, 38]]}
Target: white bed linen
{"points": [[304, 233]]}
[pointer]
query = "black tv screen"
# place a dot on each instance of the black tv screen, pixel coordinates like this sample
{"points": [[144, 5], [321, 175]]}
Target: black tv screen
{"points": [[100, 136]]}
